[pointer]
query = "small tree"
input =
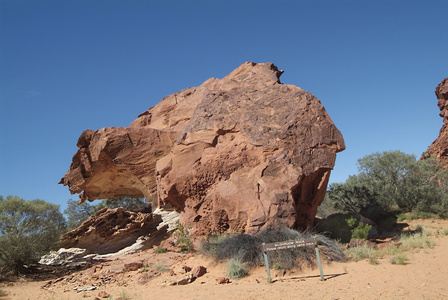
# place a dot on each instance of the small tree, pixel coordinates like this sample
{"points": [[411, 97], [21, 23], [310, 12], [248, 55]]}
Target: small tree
{"points": [[27, 230], [425, 188], [351, 196], [384, 173], [77, 213]]}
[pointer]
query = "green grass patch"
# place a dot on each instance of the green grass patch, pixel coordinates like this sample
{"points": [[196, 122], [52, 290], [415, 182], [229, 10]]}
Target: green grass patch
{"points": [[160, 268], [159, 250], [445, 231], [361, 252], [399, 259], [236, 269], [420, 238]]}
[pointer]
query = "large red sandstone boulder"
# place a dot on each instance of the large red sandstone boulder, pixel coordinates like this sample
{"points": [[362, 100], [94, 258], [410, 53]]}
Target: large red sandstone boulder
{"points": [[439, 148], [237, 154]]}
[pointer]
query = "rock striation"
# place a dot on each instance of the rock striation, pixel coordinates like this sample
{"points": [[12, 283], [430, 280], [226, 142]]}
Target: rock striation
{"points": [[439, 148], [237, 154], [110, 230]]}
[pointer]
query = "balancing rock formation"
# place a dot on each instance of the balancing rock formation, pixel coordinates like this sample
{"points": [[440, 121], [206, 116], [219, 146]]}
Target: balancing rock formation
{"points": [[439, 148], [237, 154]]}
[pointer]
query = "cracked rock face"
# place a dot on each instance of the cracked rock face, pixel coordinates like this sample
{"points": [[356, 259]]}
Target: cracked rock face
{"points": [[439, 148], [237, 154]]}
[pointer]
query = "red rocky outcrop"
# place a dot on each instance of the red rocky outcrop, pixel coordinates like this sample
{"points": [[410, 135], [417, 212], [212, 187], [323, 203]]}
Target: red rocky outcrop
{"points": [[439, 148], [110, 230], [237, 154]]}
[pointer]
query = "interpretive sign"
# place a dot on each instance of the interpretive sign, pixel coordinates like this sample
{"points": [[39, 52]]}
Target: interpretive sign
{"points": [[289, 245], [311, 242]]}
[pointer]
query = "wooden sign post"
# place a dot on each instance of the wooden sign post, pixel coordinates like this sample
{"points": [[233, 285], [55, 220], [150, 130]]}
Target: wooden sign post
{"points": [[291, 245]]}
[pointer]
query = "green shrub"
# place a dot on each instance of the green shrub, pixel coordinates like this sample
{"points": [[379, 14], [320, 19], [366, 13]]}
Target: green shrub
{"points": [[360, 231], [159, 250], [336, 227], [182, 238], [396, 182], [236, 269], [27, 231]]}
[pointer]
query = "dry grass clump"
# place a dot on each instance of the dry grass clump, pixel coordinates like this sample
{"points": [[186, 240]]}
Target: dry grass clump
{"points": [[409, 241], [399, 259], [160, 268], [445, 231], [361, 252], [245, 249], [236, 269]]}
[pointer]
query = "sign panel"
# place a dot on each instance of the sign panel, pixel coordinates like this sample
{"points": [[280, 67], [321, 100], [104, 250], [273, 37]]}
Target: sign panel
{"points": [[289, 244]]}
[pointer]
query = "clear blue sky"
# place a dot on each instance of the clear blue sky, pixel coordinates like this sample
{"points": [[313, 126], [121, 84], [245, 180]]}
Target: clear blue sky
{"points": [[66, 66]]}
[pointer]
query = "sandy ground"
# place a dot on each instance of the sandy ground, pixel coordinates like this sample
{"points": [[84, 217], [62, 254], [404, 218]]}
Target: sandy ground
{"points": [[423, 277]]}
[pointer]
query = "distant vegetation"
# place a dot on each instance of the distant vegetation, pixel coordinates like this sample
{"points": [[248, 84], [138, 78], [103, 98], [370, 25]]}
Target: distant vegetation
{"points": [[393, 182]]}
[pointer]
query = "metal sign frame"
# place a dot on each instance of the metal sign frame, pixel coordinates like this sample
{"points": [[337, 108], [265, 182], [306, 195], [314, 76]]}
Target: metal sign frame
{"points": [[291, 245]]}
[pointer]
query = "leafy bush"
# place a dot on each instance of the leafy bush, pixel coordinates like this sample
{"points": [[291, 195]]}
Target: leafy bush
{"points": [[27, 231], [336, 227], [394, 181], [360, 231], [182, 238]]}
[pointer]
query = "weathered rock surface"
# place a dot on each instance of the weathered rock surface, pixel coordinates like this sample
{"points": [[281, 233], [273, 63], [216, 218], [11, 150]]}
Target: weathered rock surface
{"points": [[62, 257], [439, 148], [236, 154], [111, 230]]}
